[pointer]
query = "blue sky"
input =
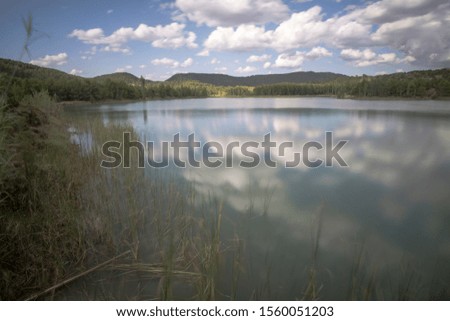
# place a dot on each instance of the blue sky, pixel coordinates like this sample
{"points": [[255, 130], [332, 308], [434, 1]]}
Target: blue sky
{"points": [[157, 39]]}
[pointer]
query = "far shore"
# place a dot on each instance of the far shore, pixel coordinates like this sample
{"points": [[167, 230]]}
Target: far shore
{"points": [[127, 101]]}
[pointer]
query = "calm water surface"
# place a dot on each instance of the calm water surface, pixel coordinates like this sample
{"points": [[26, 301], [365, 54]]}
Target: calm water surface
{"points": [[388, 211]]}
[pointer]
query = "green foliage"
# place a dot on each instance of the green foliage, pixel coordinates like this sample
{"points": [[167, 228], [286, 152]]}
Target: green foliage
{"points": [[39, 234], [239, 91], [122, 77], [23, 79], [415, 84], [28, 79], [257, 80]]}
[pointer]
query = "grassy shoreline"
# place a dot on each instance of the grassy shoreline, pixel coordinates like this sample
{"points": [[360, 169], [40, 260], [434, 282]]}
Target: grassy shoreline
{"points": [[40, 233]]}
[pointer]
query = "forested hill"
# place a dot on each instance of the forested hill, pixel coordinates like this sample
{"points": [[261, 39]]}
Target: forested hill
{"points": [[28, 71], [258, 80], [18, 79], [23, 70], [122, 76]]}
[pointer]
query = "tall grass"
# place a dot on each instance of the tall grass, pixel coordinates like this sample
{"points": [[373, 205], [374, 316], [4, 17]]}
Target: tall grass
{"points": [[176, 243], [40, 235], [312, 290]]}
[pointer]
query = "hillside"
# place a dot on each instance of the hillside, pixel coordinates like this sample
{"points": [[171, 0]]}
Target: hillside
{"points": [[18, 79], [258, 80], [24, 70], [121, 76], [118, 76], [29, 71]]}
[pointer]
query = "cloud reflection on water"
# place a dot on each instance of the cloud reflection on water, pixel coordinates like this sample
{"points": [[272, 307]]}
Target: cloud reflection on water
{"points": [[393, 195]]}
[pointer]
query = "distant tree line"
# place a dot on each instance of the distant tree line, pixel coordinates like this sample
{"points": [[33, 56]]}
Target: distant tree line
{"points": [[92, 90], [258, 80], [20, 79], [424, 84]]}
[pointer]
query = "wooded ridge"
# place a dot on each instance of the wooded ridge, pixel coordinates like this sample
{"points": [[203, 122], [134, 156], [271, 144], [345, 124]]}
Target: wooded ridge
{"points": [[18, 79]]}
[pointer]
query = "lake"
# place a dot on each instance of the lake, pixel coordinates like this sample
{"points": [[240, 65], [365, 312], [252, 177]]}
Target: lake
{"points": [[378, 228]]}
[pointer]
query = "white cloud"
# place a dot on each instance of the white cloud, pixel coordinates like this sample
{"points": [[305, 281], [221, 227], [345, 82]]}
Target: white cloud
{"points": [[394, 10], [262, 58], [142, 66], [214, 61], [172, 63], [188, 62], [110, 11], [318, 52], [179, 17], [231, 12], [124, 69], [221, 69], [418, 29], [76, 72], [367, 57], [296, 60], [302, 29], [246, 69], [165, 62], [290, 61], [424, 37], [203, 53], [267, 65], [415, 29], [92, 36], [177, 42], [51, 60], [116, 49], [244, 37], [168, 36], [353, 54]]}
